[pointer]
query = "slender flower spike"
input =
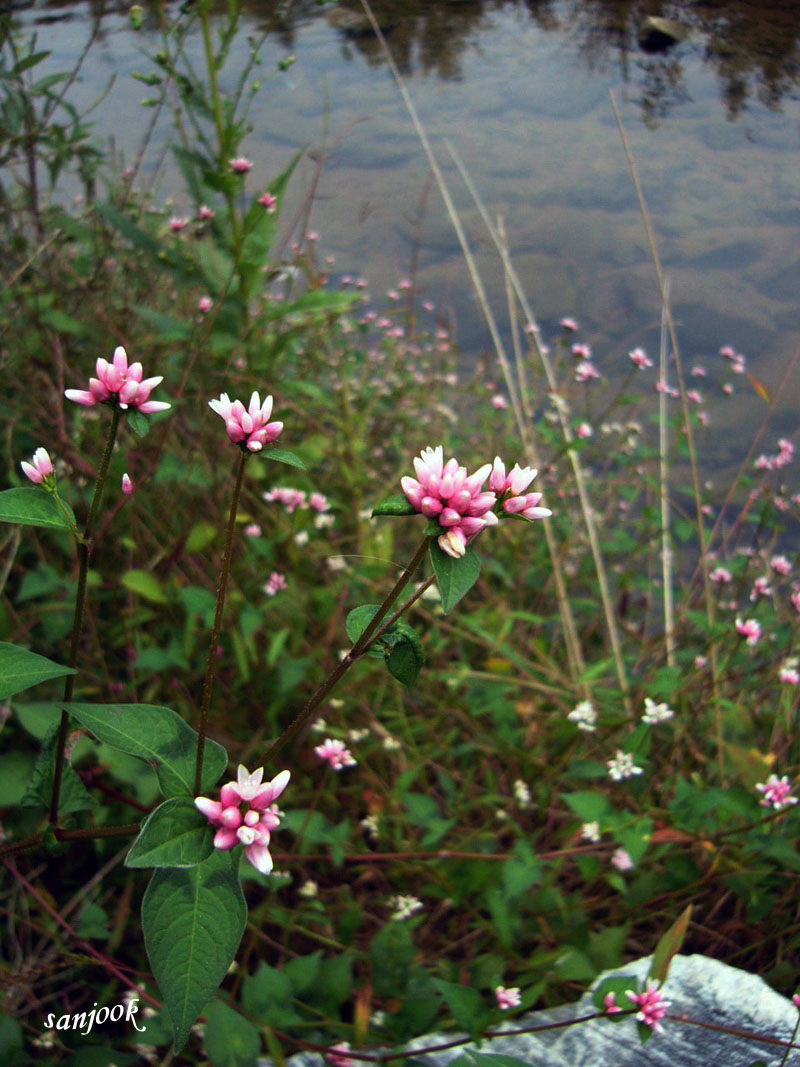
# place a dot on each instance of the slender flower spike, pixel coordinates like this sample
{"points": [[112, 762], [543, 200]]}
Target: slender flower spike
{"points": [[246, 814], [120, 385], [507, 998], [776, 793], [652, 1006], [40, 467], [249, 428]]}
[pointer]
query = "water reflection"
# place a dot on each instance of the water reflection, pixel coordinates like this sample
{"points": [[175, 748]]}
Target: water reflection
{"points": [[753, 46]]}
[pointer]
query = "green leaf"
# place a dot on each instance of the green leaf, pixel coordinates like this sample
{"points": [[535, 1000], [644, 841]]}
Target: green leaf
{"points": [[405, 660], [29, 61], [157, 735], [230, 1040], [589, 807], [33, 506], [200, 537], [359, 619], [454, 577], [193, 920], [176, 834], [487, 1059], [21, 669], [466, 1005], [268, 994], [669, 945], [395, 505], [618, 984], [72, 796], [139, 423], [283, 455], [144, 584]]}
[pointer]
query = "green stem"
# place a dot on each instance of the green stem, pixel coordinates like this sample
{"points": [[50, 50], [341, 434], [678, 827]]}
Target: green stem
{"points": [[219, 120], [84, 549], [361, 646], [211, 668]]}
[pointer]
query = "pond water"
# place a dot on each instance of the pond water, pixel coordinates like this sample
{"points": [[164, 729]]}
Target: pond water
{"points": [[521, 91]]}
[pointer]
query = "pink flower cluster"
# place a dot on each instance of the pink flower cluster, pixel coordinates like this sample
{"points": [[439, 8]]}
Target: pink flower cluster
{"points": [[736, 358], [40, 468], [776, 793], [510, 490], [652, 1006], [507, 998], [335, 753], [773, 463], [445, 492], [249, 427], [118, 383], [749, 628], [246, 814]]}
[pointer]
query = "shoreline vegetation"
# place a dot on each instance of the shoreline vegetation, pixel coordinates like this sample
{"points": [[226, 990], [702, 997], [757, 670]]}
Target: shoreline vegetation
{"points": [[483, 727]]}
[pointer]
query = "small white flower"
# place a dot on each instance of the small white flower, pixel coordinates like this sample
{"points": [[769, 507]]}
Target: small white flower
{"points": [[370, 824], [308, 889], [522, 794], [404, 906], [655, 713], [622, 766], [584, 716], [391, 744], [590, 831]]}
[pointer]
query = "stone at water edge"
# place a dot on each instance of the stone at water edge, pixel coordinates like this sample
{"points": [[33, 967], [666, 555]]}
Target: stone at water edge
{"points": [[698, 987]]}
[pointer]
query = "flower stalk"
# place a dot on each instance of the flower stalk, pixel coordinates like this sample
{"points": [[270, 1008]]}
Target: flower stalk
{"points": [[211, 667], [84, 549], [361, 646]]}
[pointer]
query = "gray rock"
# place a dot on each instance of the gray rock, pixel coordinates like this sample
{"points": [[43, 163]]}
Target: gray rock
{"points": [[699, 988]]}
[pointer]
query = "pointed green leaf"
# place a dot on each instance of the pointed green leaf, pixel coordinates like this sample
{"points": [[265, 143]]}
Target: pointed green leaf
{"points": [[395, 505], [20, 669], [32, 506], [157, 735], [470, 1058], [176, 834], [359, 619], [73, 795], [144, 584], [229, 1039], [405, 660], [193, 920], [454, 577], [618, 984], [669, 945], [283, 455], [466, 1004]]}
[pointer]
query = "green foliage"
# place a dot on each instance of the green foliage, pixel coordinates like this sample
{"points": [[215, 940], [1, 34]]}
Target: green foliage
{"points": [[454, 577], [157, 735], [22, 669], [193, 920], [31, 506], [176, 834]]}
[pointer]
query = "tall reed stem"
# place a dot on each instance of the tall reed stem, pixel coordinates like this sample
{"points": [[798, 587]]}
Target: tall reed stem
{"points": [[211, 666], [84, 549]]}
